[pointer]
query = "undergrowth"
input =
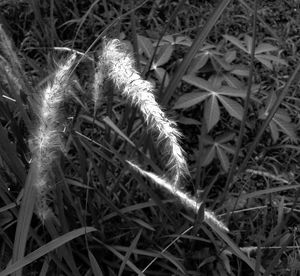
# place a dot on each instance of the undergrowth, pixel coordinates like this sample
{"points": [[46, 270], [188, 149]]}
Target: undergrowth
{"points": [[123, 124]]}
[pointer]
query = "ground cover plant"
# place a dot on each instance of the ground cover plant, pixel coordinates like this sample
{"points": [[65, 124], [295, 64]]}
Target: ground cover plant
{"points": [[149, 137]]}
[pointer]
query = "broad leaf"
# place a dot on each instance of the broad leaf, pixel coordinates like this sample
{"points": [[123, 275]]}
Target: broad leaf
{"points": [[164, 55], [230, 56], [207, 140], [232, 107], [162, 75], [286, 127], [235, 42], [223, 63], [265, 62], [233, 92], [229, 149], [223, 158], [240, 70], [197, 63], [211, 112], [265, 47], [199, 82], [188, 121], [183, 40], [232, 81], [190, 99], [275, 59], [208, 155], [224, 138], [146, 45]]}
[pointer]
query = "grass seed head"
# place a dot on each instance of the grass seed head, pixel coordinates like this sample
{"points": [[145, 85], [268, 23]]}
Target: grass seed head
{"points": [[47, 142], [119, 65], [187, 200]]}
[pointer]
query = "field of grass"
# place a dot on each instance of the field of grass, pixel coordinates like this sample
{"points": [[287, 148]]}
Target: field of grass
{"points": [[149, 137]]}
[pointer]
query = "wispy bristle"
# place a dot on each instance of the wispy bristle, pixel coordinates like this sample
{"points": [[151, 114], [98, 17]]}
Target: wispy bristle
{"points": [[8, 52], [47, 142], [188, 201], [120, 68], [98, 85]]}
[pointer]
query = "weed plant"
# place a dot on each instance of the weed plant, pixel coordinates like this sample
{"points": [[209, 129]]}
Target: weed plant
{"points": [[123, 124]]}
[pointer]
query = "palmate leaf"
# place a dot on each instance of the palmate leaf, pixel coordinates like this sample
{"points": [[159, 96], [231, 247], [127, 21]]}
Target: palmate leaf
{"points": [[145, 45], [190, 99], [262, 51], [229, 149], [232, 107], [281, 122], [240, 70], [224, 138], [232, 81], [269, 57], [286, 127], [214, 92], [218, 148], [197, 63], [233, 92], [199, 82], [164, 55], [211, 112], [230, 56], [208, 155], [162, 75], [176, 40], [221, 62], [265, 47], [236, 42], [265, 62], [223, 158]]}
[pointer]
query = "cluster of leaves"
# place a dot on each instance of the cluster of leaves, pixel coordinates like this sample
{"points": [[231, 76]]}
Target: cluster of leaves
{"points": [[218, 77]]}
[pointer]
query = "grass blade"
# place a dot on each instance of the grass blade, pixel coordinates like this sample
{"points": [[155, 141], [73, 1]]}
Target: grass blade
{"points": [[129, 252], [45, 249], [94, 264], [24, 217]]}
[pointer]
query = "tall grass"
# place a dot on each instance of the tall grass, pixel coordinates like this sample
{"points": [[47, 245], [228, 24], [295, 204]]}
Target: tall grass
{"points": [[116, 63], [50, 198]]}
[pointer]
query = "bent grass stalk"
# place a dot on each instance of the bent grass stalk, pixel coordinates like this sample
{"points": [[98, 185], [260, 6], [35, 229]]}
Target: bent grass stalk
{"points": [[187, 200], [117, 63], [119, 67], [47, 140]]}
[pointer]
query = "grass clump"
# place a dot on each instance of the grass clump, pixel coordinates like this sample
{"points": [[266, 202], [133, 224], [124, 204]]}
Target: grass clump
{"points": [[80, 138]]}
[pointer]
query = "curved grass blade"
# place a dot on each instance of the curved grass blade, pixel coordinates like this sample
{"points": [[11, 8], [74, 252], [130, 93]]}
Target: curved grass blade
{"points": [[24, 217], [45, 249], [129, 252], [94, 264]]}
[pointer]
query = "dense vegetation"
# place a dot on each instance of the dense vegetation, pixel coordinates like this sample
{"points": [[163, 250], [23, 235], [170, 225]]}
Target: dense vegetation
{"points": [[227, 74]]}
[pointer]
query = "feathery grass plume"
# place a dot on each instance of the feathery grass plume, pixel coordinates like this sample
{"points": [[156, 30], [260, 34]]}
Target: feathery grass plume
{"points": [[119, 66], [98, 85], [6, 68], [47, 141], [188, 201], [7, 51]]}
